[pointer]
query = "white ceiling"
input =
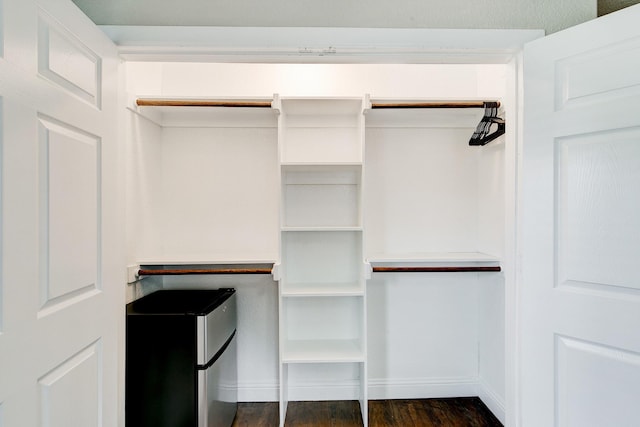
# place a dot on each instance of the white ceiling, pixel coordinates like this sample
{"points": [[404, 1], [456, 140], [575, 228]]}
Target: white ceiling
{"points": [[550, 15]]}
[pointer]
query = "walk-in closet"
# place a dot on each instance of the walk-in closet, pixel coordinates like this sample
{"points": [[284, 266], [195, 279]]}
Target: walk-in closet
{"points": [[366, 209]]}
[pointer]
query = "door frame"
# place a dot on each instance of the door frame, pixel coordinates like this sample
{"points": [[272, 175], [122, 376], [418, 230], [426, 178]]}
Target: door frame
{"points": [[367, 45], [317, 45]]}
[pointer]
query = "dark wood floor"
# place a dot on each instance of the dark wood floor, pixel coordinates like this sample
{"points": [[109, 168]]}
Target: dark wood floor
{"points": [[455, 412]]}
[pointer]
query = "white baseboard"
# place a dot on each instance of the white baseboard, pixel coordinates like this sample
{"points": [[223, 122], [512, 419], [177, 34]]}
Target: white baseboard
{"points": [[422, 388], [343, 390], [494, 402], [269, 392], [258, 392]]}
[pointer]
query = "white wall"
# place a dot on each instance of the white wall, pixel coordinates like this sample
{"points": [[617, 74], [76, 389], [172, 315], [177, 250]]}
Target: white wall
{"points": [[143, 167], [217, 193], [550, 15], [421, 191], [423, 335], [439, 81]]}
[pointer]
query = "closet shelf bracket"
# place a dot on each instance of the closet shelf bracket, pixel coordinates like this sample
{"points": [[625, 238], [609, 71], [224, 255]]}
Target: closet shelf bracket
{"points": [[483, 135]]}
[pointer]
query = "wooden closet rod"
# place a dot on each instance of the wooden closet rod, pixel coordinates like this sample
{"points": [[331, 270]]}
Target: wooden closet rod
{"points": [[187, 271], [442, 104], [433, 269], [141, 102]]}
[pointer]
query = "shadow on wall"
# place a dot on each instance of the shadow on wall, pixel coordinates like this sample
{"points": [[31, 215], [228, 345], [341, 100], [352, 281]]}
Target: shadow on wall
{"points": [[608, 6]]}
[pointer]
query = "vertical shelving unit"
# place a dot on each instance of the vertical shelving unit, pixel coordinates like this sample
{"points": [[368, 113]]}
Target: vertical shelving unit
{"points": [[321, 270]]}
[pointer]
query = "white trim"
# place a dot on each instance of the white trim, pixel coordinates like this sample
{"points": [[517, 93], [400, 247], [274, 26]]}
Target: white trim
{"points": [[513, 391], [494, 402], [391, 388], [324, 390], [422, 388], [317, 45], [258, 392]]}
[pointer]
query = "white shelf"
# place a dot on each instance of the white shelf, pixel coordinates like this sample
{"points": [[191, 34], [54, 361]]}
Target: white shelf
{"points": [[321, 289], [337, 106], [204, 260], [322, 276], [312, 256], [428, 259], [320, 166], [324, 197], [321, 228], [433, 257], [325, 130], [322, 351]]}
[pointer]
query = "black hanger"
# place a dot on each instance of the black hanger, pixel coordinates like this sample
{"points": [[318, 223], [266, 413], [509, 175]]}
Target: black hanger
{"points": [[481, 135]]}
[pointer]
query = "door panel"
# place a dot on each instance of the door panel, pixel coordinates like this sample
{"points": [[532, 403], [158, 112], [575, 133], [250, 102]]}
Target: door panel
{"points": [[596, 75], [586, 396], [76, 380], [580, 289], [66, 61], [69, 216], [62, 278], [598, 228]]}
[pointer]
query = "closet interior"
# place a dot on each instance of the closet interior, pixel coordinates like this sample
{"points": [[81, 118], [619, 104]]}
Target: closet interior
{"points": [[363, 212]]}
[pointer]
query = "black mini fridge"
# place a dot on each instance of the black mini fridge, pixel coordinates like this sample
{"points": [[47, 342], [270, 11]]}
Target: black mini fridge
{"points": [[181, 367]]}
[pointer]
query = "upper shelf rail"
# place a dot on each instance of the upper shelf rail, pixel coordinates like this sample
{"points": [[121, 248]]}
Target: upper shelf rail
{"points": [[431, 104], [153, 102], [148, 102], [490, 127]]}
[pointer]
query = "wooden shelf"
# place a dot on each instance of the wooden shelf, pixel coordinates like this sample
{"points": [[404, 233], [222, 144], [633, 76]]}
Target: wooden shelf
{"points": [[322, 351], [182, 266], [198, 271]]}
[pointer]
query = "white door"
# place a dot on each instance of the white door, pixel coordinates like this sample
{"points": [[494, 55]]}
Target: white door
{"points": [[580, 247], [61, 268]]}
